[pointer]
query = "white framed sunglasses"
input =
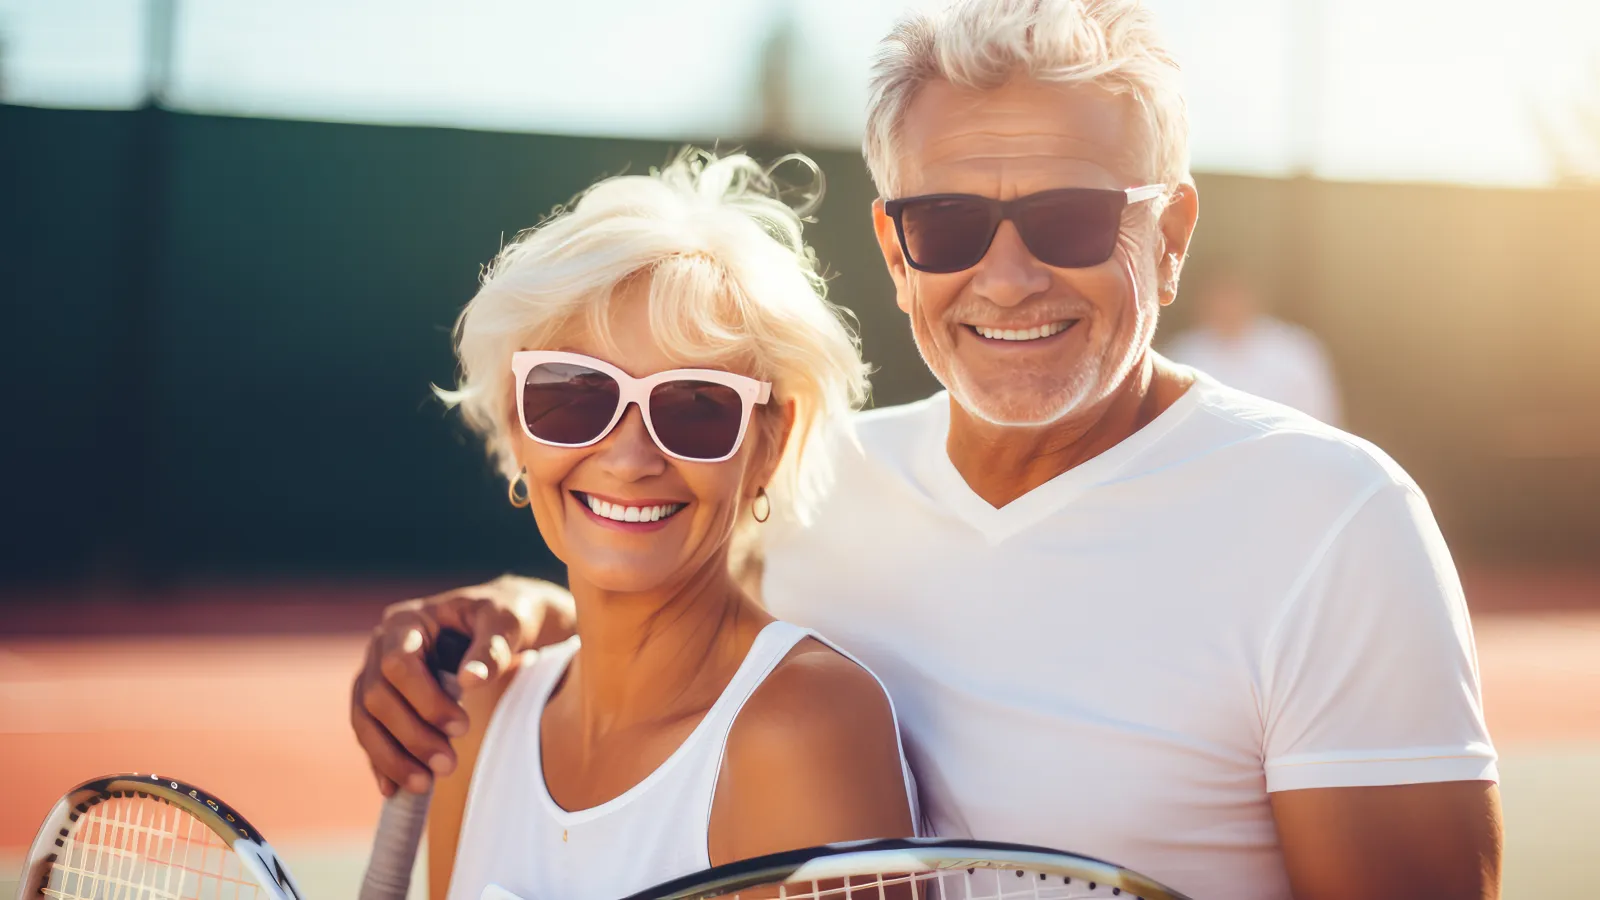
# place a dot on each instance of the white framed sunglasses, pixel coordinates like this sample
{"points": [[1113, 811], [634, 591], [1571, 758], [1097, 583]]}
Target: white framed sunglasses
{"points": [[572, 400]]}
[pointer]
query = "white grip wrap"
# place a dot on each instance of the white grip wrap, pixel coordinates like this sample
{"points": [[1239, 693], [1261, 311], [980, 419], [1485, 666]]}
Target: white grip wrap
{"points": [[400, 827]]}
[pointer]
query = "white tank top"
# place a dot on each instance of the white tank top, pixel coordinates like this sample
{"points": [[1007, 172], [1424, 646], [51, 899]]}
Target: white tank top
{"points": [[516, 838]]}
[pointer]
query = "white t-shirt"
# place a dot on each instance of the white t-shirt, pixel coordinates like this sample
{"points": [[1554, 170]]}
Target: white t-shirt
{"points": [[1281, 362], [1123, 663]]}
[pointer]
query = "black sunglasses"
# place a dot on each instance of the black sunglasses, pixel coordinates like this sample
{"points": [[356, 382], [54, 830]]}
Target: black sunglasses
{"points": [[1069, 228]]}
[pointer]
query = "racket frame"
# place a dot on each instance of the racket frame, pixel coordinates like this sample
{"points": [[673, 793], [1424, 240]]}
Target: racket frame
{"points": [[910, 855], [256, 856]]}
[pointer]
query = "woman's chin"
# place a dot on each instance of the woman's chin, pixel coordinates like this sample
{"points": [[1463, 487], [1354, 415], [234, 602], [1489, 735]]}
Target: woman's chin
{"points": [[617, 575]]}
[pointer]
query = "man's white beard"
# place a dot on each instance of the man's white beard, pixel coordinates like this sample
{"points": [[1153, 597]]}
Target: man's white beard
{"points": [[1084, 388], [1080, 392]]}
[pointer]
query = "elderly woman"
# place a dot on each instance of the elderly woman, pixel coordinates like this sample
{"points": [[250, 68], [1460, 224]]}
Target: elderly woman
{"points": [[656, 370]]}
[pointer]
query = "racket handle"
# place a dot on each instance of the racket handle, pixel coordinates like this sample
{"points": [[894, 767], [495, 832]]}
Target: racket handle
{"points": [[405, 815], [394, 850]]}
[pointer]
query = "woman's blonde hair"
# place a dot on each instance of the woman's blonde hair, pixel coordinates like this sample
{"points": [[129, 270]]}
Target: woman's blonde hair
{"points": [[731, 284]]}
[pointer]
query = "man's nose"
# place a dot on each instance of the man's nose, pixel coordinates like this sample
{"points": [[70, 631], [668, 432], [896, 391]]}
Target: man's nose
{"points": [[1009, 273]]}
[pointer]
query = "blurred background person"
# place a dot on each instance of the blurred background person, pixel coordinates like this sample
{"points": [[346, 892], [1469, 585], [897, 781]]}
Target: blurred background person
{"points": [[1238, 343]]}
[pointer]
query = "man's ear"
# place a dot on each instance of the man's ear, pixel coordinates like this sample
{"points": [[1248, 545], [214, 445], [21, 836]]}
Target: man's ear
{"points": [[1178, 220], [893, 256]]}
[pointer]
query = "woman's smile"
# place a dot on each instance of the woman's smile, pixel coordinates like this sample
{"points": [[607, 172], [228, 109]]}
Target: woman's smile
{"points": [[627, 515]]}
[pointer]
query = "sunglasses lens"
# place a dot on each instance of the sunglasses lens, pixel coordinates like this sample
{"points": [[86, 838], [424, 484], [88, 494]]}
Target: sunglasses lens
{"points": [[565, 403], [697, 419], [1072, 229], [946, 234]]}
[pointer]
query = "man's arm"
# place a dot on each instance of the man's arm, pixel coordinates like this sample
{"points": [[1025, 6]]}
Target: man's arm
{"points": [[401, 717], [1379, 766], [1440, 841]]}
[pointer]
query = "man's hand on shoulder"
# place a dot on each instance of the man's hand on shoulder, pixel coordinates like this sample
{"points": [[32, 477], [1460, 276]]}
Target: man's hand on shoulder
{"points": [[401, 717]]}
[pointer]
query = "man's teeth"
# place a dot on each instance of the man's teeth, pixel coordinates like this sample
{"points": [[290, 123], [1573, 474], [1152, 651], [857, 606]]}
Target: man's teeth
{"points": [[1026, 334], [619, 513]]}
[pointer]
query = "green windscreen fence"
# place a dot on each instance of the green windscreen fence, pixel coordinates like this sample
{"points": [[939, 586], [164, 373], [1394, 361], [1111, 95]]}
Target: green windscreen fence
{"points": [[220, 333]]}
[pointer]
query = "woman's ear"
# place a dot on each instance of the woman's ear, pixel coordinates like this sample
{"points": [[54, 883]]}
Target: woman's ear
{"points": [[514, 442], [775, 432], [788, 425]]}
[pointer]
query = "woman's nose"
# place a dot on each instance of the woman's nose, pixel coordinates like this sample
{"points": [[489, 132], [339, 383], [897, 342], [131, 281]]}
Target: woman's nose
{"points": [[628, 452]]}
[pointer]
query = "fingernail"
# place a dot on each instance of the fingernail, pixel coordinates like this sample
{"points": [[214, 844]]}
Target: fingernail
{"points": [[455, 728], [413, 641], [418, 783], [476, 669], [441, 764]]}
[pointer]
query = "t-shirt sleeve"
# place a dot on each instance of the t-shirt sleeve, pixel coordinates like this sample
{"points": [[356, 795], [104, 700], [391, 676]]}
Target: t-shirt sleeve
{"points": [[1370, 675]]}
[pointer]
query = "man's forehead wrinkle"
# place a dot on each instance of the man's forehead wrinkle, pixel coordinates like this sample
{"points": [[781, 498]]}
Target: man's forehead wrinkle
{"points": [[955, 152], [1022, 141], [1009, 139], [1084, 163]]}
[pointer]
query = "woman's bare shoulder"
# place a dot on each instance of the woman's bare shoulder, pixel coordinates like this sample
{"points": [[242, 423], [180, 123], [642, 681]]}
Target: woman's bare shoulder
{"points": [[817, 741], [816, 686]]}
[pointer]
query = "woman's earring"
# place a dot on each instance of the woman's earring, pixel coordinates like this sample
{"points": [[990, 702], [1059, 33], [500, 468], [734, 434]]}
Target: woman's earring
{"points": [[518, 500], [762, 503]]}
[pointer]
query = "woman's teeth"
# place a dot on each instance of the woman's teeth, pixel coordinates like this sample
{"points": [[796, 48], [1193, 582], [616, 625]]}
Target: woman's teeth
{"points": [[1026, 334], [616, 512]]}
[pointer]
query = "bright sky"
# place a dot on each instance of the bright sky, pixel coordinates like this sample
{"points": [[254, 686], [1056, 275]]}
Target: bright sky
{"points": [[1421, 90]]}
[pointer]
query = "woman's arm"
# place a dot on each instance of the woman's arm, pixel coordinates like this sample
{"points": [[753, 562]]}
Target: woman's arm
{"points": [[449, 807], [812, 759]]}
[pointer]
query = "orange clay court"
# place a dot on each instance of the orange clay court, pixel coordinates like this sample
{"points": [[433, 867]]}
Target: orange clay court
{"points": [[246, 696]]}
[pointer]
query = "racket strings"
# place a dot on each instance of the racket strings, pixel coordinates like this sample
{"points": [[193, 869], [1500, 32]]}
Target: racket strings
{"points": [[138, 848], [943, 884]]}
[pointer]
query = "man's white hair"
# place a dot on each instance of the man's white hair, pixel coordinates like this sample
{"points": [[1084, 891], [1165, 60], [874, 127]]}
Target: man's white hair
{"points": [[982, 44], [731, 285]]}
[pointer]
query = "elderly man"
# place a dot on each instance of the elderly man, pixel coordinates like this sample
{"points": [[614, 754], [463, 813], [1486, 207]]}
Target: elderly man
{"points": [[1123, 609]]}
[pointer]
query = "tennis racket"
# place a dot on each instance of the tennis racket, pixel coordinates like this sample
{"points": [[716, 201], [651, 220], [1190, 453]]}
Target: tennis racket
{"points": [[915, 869], [144, 837], [405, 815]]}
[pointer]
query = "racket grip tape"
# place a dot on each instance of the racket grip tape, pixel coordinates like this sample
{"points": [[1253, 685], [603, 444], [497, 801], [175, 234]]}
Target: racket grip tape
{"points": [[444, 657], [405, 815]]}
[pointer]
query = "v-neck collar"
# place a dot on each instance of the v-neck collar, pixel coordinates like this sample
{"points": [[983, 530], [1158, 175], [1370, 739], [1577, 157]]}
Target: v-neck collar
{"points": [[944, 483]]}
